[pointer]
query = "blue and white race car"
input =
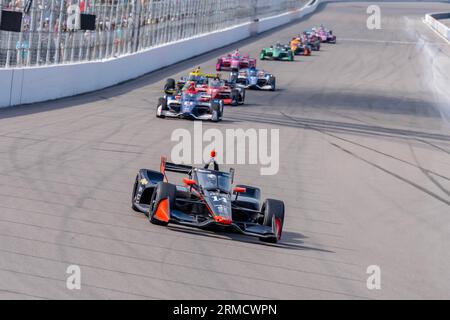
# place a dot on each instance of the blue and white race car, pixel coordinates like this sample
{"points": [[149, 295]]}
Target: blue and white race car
{"points": [[194, 106], [253, 78]]}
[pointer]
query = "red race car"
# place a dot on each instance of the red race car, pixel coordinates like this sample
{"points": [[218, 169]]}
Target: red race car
{"points": [[218, 89], [235, 61]]}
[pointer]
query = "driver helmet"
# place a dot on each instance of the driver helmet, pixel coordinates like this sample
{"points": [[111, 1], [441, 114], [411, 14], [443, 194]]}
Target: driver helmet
{"points": [[191, 89], [212, 179]]}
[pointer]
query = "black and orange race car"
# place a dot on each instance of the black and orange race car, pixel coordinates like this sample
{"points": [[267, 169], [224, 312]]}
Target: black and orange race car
{"points": [[206, 199], [300, 47]]}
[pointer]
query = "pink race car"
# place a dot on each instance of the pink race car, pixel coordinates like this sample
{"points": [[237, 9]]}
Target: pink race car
{"points": [[235, 61], [325, 35]]}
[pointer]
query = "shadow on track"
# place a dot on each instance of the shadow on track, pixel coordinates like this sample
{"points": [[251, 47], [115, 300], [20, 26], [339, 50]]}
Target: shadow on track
{"points": [[290, 240]]}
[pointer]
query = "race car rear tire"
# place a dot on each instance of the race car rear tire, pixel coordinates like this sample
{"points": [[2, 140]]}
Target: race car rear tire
{"points": [[273, 211], [133, 195], [163, 191], [170, 84]]}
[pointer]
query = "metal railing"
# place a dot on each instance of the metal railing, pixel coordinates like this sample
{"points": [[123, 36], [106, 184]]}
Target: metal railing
{"points": [[122, 26]]}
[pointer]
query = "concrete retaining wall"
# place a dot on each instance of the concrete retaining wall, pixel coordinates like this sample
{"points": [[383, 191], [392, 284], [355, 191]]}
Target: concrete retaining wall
{"points": [[432, 19]]}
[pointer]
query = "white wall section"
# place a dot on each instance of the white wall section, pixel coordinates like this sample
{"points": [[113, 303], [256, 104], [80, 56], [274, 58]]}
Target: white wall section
{"points": [[432, 19]]}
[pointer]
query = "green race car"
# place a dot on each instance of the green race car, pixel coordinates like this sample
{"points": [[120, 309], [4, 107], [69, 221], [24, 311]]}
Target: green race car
{"points": [[277, 52]]}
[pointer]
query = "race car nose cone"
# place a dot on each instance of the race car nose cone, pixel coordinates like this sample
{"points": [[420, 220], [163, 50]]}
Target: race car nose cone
{"points": [[186, 115], [222, 220]]}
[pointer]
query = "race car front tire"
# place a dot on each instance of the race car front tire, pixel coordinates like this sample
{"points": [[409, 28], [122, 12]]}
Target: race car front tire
{"points": [[133, 195], [162, 106], [163, 192], [216, 112], [273, 211], [291, 56], [240, 96], [235, 97], [272, 82]]}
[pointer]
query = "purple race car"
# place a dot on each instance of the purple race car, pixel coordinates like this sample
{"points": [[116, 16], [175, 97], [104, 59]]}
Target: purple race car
{"points": [[235, 61]]}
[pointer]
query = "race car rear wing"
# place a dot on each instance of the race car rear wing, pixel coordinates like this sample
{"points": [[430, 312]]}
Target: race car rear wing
{"points": [[181, 168], [173, 167]]}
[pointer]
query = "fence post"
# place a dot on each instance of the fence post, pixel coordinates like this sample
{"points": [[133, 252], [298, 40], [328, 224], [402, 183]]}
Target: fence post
{"points": [[39, 45], [74, 32], [51, 32], [19, 43], [58, 37], [31, 32], [135, 36], [116, 25]]}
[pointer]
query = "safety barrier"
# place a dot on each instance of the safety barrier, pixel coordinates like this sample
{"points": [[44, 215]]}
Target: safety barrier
{"points": [[42, 83], [432, 19]]}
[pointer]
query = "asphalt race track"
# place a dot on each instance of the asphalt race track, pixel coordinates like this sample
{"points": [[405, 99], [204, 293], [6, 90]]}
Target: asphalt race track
{"points": [[364, 172]]}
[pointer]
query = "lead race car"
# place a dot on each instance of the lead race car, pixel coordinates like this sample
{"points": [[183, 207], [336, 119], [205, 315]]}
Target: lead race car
{"points": [[190, 105], [206, 199], [235, 61], [254, 79]]}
